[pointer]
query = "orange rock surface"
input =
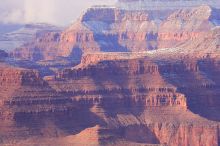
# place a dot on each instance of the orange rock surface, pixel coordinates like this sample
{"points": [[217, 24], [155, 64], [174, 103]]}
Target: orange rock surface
{"points": [[143, 78], [118, 30]]}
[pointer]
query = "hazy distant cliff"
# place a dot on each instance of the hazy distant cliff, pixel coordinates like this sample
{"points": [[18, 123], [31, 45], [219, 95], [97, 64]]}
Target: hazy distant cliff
{"points": [[109, 29]]}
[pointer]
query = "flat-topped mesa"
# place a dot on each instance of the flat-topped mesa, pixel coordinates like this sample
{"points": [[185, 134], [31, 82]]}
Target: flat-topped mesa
{"points": [[164, 4], [107, 14], [113, 15], [111, 68], [110, 64], [119, 78], [93, 58], [110, 29]]}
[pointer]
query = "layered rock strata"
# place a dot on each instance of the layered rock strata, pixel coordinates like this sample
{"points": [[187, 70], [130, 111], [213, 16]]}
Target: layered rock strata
{"points": [[111, 29], [155, 97], [158, 86]]}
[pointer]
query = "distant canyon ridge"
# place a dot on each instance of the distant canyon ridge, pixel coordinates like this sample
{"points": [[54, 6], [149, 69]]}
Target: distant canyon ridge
{"points": [[139, 73]]}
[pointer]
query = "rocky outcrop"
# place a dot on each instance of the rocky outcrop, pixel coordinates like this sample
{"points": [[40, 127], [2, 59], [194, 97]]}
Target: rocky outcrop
{"points": [[160, 127], [75, 40], [120, 77], [185, 25], [154, 97], [23, 90], [166, 96], [111, 29], [205, 46], [10, 76], [162, 133], [154, 78], [44, 47]]}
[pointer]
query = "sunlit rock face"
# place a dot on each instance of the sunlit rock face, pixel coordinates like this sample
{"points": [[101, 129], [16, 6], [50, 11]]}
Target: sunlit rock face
{"points": [[112, 29], [144, 76], [103, 99]]}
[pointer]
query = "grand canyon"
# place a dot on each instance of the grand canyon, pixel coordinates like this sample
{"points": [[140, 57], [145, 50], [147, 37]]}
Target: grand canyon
{"points": [[138, 73]]}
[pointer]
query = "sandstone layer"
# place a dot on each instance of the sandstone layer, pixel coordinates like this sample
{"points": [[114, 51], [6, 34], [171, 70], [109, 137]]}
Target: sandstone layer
{"points": [[132, 77], [111, 29], [158, 98]]}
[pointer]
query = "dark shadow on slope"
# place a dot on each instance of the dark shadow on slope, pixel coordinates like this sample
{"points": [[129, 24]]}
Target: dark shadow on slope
{"points": [[211, 69], [36, 54], [109, 43], [57, 123], [72, 118], [75, 55], [140, 134], [201, 98], [120, 102], [116, 101], [218, 131], [151, 39], [215, 18]]}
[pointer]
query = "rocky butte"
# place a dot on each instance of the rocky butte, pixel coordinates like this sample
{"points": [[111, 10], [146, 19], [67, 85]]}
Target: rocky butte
{"points": [[118, 76]]}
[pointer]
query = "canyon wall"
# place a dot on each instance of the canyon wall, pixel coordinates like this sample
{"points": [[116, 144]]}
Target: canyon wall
{"points": [[159, 96], [44, 46], [110, 29], [144, 77], [11, 76], [24, 90]]}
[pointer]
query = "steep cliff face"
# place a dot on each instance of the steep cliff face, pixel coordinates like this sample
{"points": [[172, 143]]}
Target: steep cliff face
{"points": [[137, 82], [155, 97], [111, 29], [160, 127], [205, 81], [76, 40], [157, 81], [44, 46], [153, 85], [205, 46], [185, 25], [174, 133], [129, 89], [16, 76], [23, 90]]}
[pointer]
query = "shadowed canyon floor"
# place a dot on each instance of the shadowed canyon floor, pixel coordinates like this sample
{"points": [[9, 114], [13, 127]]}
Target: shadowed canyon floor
{"points": [[126, 77]]}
